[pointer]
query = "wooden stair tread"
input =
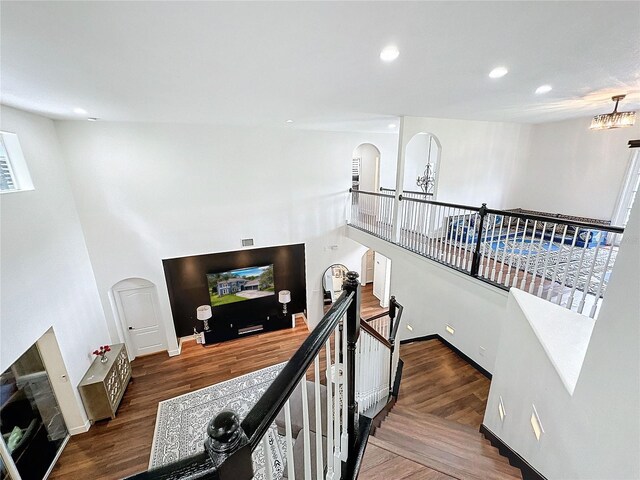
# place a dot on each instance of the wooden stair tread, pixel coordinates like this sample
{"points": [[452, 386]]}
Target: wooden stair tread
{"points": [[439, 436], [428, 420], [473, 467]]}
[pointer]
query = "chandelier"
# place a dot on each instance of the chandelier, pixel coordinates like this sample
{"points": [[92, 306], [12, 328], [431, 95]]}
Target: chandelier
{"points": [[614, 119]]}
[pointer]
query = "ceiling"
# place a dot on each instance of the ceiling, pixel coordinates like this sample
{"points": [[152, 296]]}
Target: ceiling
{"points": [[317, 63]]}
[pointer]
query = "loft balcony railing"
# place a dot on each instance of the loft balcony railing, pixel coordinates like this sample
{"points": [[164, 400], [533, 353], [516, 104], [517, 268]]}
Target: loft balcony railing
{"points": [[335, 409], [563, 261]]}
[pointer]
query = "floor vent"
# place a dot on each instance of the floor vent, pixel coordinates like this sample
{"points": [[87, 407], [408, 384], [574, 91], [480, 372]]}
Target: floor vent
{"points": [[247, 242]]}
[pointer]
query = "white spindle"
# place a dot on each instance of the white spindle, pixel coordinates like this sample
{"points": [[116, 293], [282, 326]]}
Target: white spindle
{"points": [[546, 260], [512, 252], [319, 429], [603, 276], [526, 261], [289, 440], [268, 456], [330, 420], [555, 268], [577, 276], [498, 240], [305, 429], [587, 284], [567, 265], [337, 376], [344, 440]]}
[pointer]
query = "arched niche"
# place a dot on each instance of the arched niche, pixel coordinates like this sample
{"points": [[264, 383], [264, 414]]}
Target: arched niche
{"points": [[365, 168], [422, 163]]}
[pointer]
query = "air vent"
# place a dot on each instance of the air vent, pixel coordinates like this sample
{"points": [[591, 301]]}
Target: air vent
{"points": [[247, 242]]}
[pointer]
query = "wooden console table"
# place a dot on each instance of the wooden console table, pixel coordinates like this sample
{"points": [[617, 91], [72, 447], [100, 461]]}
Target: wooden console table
{"points": [[104, 384]]}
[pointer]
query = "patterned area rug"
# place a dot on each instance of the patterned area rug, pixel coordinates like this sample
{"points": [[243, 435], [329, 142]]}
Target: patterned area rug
{"points": [[182, 421]]}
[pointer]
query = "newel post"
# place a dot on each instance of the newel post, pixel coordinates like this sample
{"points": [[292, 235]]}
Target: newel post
{"points": [[228, 447], [475, 265], [351, 284]]}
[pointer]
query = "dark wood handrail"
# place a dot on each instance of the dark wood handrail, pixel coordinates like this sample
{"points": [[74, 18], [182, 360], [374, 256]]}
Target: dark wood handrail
{"points": [[374, 333], [261, 416], [561, 221], [441, 204], [375, 194], [375, 317], [523, 216], [417, 192]]}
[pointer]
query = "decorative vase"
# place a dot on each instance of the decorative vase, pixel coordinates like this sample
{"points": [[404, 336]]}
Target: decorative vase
{"points": [[103, 359]]}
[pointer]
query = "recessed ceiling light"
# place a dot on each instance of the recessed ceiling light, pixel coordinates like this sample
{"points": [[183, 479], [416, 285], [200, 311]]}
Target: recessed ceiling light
{"points": [[392, 125], [498, 72], [289, 121], [389, 53], [543, 89], [80, 111], [92, 119]]}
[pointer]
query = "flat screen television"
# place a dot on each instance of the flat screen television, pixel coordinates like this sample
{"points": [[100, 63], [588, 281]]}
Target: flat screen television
{"points": [[240, 285]]}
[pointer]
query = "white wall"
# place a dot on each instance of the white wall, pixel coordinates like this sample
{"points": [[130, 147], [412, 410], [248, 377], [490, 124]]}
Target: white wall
{"points": [[594, 433], [572, 170], [434, 295], [479, 160], [45, 274], [149, 191]]}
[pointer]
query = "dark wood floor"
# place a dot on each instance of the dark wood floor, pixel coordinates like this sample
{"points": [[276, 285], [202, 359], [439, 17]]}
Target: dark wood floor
{"points": [[437, 381], [113, 449]]}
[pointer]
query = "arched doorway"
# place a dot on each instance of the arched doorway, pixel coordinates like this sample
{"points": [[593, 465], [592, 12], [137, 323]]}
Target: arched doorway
{"points": [[422, 165], [365, 168], [137, 308]]}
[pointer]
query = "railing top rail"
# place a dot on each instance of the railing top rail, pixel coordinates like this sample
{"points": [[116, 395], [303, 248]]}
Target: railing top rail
{"points": [[374, 333], [375, 317], [442, 204], [261, 416], [561, 221], [406, 191], [375, 194]]}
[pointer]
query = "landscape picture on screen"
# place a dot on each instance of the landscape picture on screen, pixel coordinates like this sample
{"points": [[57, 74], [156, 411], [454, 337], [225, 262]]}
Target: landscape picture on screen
{"points": [[240, 285]]}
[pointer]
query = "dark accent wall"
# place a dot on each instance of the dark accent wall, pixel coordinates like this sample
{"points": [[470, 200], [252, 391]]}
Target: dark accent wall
{"points": [[187, 284]]}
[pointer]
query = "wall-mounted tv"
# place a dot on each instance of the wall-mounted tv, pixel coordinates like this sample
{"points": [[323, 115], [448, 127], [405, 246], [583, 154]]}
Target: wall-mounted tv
{"points": [[240, 285]]}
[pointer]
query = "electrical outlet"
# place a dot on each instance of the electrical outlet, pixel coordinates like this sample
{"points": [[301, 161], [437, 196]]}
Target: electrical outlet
{"points": [[450, 330], [482, 351], [409, 327]]}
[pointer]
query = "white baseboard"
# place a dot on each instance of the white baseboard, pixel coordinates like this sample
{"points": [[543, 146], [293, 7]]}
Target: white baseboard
{"points": [[176, 352], [80, 429]]}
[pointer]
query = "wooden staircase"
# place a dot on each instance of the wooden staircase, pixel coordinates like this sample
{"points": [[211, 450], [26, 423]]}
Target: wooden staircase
{"points": [[413, 445]]}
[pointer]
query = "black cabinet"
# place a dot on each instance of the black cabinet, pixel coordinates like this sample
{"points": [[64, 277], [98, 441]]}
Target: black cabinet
{"points": [[223, 330]]}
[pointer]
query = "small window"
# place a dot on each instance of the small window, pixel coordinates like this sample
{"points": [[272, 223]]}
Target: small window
{"points": [[14, 175]]}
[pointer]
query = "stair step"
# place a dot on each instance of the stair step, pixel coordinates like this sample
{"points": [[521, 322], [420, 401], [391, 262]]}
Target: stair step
{"points": [[429, 419], [459, 464], [478, 451], [444, 436]]}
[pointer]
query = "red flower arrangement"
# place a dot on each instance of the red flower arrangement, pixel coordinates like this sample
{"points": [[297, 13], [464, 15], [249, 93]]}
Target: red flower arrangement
{"points": [[102, 352]]}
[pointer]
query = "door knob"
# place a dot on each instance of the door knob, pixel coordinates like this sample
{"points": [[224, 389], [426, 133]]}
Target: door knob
{"points": [[130, 328]]}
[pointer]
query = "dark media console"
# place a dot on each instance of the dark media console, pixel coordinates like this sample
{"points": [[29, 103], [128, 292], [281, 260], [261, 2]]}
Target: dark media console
{"points": [[231, 329]]}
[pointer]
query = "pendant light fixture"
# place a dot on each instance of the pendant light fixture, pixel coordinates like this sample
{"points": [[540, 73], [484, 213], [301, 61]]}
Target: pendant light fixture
{"points": [[614, 119]]}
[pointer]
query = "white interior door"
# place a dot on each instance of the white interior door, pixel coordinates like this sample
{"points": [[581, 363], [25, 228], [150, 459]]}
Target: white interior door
{"points": [[381, 278], [138, 311]]}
